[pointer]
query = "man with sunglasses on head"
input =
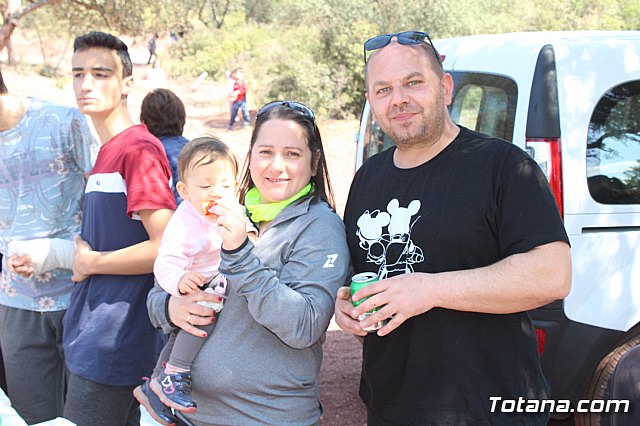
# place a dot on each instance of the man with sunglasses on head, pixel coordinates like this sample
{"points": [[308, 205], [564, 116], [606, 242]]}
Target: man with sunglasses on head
{"points": [[465, 237]]}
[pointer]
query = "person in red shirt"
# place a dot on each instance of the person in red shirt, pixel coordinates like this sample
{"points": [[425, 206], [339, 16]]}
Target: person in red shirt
{"points": [[108, 341], [238, 97]]}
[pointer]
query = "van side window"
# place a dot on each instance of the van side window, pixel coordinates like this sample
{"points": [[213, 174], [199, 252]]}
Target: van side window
{"points": [[485, 103], [375, 140], [613, 146]]}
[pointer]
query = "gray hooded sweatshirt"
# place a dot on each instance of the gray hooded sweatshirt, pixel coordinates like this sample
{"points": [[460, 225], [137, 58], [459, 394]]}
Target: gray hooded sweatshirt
{"points": [[260, 365]]}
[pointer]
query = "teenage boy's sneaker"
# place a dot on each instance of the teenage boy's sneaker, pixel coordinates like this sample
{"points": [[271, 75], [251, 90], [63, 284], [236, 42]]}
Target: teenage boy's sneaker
{"points": [[156, 409], [176, 390]]}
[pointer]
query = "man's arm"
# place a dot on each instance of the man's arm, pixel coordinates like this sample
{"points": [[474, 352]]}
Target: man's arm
{"points": [[132, 260], [40, 255], [517, 283]]}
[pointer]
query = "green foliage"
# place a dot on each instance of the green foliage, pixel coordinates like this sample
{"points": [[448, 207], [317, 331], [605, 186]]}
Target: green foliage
{"points": [[163, 14], [309, 50], [629, 11], [259, 11], [212, 50], [294, 81], [436, 17]]}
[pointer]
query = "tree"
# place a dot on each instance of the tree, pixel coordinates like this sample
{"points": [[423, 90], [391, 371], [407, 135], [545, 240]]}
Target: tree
{"points": [[218, 11], [13, 13], [131, 17]]}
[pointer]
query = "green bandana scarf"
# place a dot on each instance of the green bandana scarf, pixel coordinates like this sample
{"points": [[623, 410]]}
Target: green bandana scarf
{"points": [[267, 212]]}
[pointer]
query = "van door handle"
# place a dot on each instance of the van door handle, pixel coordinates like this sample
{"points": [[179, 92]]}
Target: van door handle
{"points": [[602, 229]]}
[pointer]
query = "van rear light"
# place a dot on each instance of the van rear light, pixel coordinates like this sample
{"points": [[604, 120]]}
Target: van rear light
{"points": [[548, 155], [542, 339]]}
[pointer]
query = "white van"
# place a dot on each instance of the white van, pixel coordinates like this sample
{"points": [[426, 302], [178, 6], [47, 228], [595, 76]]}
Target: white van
{"points": [[572, 100]]}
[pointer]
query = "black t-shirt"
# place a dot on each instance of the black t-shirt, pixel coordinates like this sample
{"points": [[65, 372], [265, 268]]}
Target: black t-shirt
{"points": [[475, 203]]}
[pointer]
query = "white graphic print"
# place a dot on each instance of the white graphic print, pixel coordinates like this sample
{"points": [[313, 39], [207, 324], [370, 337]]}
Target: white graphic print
{"points": [[331, 259], [392, 250]]}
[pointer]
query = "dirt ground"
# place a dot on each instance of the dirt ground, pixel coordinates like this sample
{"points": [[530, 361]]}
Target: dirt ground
{"points": [[207, 112], [339, 381]]}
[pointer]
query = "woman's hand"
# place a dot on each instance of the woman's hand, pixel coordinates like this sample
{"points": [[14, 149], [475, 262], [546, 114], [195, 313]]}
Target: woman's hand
{"points": [[232, 223], [185, 312]]}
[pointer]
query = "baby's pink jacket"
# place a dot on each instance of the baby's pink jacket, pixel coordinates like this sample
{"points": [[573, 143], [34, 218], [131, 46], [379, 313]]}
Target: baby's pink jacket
{"points": [[189, 243]]}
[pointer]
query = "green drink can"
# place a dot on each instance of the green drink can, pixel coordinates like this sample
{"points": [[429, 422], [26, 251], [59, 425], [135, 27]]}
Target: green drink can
{"points": [[359, 281]]}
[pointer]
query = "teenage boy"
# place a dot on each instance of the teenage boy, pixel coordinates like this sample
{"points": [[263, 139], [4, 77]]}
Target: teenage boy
{"points": [[108, 340]]}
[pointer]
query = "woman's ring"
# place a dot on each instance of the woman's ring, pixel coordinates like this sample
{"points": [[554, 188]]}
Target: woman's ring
{"points": [[189, 317]]}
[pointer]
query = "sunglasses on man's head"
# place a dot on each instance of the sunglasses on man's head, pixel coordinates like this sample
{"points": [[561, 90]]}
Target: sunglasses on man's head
{"points": [[405, 38], [301, 109]]}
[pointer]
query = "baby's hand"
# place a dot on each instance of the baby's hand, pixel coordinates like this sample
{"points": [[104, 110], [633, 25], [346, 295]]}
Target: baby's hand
{"points": [[190, 283]]}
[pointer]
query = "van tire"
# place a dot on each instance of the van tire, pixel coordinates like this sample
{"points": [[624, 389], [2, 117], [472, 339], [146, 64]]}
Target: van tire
{"points": [[601, 382]]}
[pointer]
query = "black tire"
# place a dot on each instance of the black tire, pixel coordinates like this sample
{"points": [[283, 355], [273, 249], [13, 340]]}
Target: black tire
{"points": [[566, 422], [601, 382]]}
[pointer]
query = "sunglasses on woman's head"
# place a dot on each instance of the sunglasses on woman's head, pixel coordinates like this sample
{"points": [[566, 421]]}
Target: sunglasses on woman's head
{"points": [[301, 109], [405, 38]]}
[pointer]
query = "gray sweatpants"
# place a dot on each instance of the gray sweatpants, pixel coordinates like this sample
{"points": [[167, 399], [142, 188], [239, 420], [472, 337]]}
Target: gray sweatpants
{"points": [[34, 362], [94, 404]]}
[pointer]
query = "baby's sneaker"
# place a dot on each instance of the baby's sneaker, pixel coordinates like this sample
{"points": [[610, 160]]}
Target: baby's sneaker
{"points": [[156, 409], [176, 389]]}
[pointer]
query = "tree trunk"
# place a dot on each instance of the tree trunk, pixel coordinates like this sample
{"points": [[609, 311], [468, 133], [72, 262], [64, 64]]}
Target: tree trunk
{"points": [[6, 30], [11, 20]]}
